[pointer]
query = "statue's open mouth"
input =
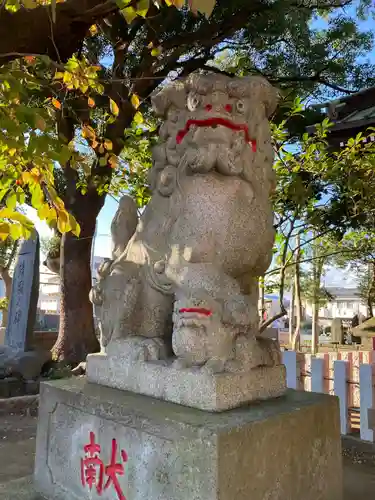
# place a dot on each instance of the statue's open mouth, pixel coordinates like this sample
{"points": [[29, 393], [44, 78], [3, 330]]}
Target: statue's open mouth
{"points": [[214, 122], [196, 310]]}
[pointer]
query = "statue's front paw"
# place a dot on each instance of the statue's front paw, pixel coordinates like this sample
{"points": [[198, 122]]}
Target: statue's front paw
{"points": [[181, 364], [134, 348], [213, 366], [96, 296], [154, 350]]}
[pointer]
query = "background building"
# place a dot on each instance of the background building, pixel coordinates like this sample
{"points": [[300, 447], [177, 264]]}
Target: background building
{"points": [[345, 304]]}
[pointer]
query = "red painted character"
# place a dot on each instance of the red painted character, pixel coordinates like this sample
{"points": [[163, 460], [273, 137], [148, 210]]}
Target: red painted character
{"points": [[93, 468]]}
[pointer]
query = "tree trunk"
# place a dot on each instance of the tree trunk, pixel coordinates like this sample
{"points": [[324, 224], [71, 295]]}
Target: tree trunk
{"points": [[296, 343], [77, 336], [291, 315], [370, 310], [5, 276], [318, 264], [261, 307]]}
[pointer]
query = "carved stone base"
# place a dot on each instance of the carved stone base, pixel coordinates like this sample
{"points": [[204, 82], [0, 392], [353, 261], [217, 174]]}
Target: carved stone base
{"points": [[284, 449], [189, 387]]}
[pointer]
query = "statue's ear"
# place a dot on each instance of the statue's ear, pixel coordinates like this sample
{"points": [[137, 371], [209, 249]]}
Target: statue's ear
{"points": [[262, 90], [173, 94]]}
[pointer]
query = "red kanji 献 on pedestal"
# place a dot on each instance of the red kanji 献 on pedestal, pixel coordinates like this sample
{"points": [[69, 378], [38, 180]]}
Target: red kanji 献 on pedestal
{"points": [[114, 469], [93, 468]]}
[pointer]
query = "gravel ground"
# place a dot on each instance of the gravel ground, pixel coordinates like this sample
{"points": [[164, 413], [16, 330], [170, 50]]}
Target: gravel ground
{"points": [[17, 447]]}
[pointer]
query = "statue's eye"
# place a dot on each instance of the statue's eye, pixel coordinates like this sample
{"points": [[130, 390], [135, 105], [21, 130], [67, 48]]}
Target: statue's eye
{"points": [[193, 102], [240, 106]]}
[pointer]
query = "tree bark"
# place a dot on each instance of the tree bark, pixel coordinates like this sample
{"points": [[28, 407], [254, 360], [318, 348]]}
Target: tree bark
{"points": [[291, 315], [5, 276], [315, 302], [296, 343], [261, 307], [34, 32], [77, 336]]}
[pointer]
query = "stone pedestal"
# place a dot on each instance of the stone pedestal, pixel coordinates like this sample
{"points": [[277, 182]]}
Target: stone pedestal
{"points": [[189, 387], [146, 449]]}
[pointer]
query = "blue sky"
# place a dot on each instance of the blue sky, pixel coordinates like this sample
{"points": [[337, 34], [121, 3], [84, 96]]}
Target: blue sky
{"points": [[103, 240]]}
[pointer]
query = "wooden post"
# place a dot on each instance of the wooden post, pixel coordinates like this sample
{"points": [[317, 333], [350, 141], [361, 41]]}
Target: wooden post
{"points": [[366, 391], [340, 385], [292, 369], [317, 375]]}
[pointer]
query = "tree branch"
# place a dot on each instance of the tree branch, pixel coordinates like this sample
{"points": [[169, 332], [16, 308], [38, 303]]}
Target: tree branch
{"points": [[313, 78], [29, 31]]}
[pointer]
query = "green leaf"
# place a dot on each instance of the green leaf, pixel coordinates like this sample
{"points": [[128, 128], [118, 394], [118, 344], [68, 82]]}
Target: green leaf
{"points": [[143, 7], [138, 118], [37, 196], [11, 201], [130, 14]]}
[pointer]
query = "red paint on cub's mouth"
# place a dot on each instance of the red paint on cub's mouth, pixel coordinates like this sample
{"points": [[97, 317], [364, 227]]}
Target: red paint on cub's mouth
{"points": [[199, 310], [213, 122]]}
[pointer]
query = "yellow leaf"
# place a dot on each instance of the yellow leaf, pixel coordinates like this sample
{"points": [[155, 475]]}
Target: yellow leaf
{"points": [[26, 177], [156, 51], [4, 230], [113, 107], [108, 145], [130, 14], [93, 30], [15, 231], [91, 102], [135, 101], [56, 103], [63, 224], [44, 211], [35, 175], [88, 132], [204, 6], [30, 4], [6, 213], [12, 151], [58, 75], [142, 7], [67, 77], [75, 228], [138, 118], [178, 3]]}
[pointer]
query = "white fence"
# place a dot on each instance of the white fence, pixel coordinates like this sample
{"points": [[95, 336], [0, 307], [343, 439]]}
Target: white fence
{"points": [[351, 379]]}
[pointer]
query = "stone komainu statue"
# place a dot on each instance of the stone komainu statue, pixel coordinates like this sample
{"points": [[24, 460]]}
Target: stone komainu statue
{"points": [[183, 281]]}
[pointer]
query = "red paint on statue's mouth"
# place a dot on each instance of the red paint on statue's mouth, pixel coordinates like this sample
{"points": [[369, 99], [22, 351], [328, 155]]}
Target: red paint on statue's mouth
{"points": [[213, 122], [199, 310]]}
